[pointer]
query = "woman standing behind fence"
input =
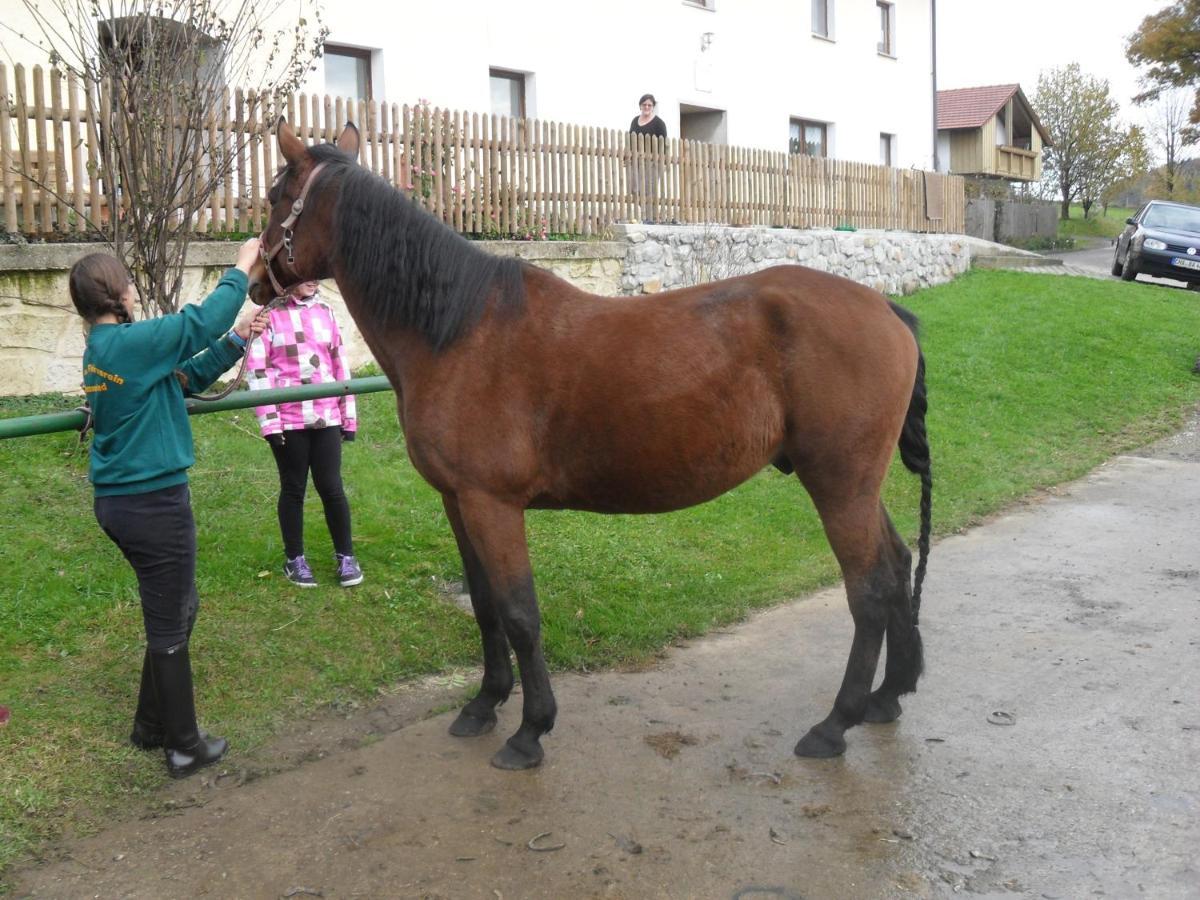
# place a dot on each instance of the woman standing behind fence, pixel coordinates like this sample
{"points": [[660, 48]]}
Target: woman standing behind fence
{"points": [[643, 174], [302, 345], [135, 375]]}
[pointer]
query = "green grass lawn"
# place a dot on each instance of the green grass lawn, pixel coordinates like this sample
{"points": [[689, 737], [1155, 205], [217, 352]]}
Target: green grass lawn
{"points": [[1098, 225], [1033, 380]]}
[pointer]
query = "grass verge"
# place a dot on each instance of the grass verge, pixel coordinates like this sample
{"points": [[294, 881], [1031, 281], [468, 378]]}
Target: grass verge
{"points": [[1033, 380], [1100, 224]]}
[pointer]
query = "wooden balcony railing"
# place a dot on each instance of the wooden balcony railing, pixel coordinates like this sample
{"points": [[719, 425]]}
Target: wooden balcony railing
{"points": [[1014, 162]]}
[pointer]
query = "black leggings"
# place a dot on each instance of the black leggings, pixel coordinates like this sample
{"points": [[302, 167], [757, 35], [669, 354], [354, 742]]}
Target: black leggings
{"points": [[157, 534], [318, 450]]}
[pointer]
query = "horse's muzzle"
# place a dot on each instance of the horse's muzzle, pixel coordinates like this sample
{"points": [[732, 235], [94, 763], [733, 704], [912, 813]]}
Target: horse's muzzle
{"points": [[258, 293]]}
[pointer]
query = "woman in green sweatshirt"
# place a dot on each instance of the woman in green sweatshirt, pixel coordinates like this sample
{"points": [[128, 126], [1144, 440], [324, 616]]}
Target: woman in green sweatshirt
{"points": [[136, 375]]}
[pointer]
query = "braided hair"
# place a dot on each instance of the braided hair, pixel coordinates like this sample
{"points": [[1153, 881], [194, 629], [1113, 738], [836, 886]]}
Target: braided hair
{"points": [[97, 282]]}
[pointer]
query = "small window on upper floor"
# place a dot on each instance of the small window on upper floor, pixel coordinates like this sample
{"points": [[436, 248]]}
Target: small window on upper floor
{"points": [[808, 138], [887, 28], [822, 18], [508, 93], [887, 148], [348, 72]]}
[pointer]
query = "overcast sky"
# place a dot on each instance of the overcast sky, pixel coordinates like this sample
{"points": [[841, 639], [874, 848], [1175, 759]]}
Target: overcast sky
{"points": [[984, 42]]}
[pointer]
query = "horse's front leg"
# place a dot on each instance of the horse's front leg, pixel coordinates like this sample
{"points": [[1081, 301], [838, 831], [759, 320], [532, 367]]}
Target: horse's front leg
{"points": [[496, 531], [479, 715]]}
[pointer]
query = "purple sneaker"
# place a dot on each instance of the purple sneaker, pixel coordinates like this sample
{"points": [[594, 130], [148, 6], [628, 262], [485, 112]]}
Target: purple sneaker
{"points": [[348, 571], [298, 573]]}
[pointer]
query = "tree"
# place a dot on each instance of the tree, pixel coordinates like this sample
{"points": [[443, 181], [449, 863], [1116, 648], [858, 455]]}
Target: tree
{"points": [[1091, 149], [1168, 43], [1167, 123], [154, 77], [1123, 159]]}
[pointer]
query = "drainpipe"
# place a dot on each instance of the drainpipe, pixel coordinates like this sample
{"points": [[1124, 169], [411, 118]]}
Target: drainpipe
{"points": [[933, 58]]}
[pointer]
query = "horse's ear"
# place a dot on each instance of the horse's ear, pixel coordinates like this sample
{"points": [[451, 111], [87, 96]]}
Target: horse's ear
{"points": [[290, 146], [348, 139]]}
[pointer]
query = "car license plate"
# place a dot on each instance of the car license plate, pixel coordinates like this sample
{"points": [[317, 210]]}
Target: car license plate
{"points": [[1186, 263]]}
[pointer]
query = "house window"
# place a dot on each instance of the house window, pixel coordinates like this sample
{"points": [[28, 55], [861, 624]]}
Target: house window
{"points": [[822, 18], [130, 40], [808, 138], [348, 72], [887, 28], [508, 93], [887, 144]]}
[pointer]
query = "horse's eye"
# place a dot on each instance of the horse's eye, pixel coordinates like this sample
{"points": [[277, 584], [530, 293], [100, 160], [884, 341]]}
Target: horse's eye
{"points": [[276, 190]]}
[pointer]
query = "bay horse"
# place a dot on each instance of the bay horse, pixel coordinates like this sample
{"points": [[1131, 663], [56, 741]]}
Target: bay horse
{"points": [[517, 391]]}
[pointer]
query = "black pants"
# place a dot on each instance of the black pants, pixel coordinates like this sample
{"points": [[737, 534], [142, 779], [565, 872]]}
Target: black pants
{"points": [[157, 534], [316, 450]]}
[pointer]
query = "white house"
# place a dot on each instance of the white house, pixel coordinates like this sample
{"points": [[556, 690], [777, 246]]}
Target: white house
{"points": [[849, 79]]}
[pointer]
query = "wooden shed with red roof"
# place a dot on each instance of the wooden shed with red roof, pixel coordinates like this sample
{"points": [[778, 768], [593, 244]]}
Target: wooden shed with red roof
{"points": [[990, 131]]}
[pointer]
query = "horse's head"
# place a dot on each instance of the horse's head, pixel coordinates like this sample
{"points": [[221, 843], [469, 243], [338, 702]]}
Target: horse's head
{"points": [[299, 232]]}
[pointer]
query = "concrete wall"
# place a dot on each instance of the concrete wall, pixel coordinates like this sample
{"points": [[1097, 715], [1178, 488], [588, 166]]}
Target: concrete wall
{"points": [[1020, 221], [42, 340], [1011, 220], [981, 218]]}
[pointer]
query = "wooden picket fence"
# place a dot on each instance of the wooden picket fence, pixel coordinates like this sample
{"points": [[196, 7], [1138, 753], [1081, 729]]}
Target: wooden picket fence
{"points": [[480, 174]]}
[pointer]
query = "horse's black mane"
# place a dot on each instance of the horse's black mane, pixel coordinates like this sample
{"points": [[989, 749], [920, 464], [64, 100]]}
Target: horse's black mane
{"points": [[407, 268]]}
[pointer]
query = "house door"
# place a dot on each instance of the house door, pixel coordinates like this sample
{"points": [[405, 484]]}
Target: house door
{"points": [[700, 123]]}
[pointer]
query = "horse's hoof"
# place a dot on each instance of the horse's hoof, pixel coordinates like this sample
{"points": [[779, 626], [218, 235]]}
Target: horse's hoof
{"points": [[816, 745], [882, 709], [514, 758], [467, 725]]}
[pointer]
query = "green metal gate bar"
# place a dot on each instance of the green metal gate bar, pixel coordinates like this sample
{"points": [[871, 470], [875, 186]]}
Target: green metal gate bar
{"points": [[27, 426]]}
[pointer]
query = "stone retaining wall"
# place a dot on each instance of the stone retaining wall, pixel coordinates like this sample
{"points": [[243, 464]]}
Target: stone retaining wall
{"points": [[661, 257]]}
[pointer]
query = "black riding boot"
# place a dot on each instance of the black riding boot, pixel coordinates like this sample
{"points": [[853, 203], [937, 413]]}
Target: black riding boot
{"points": [[185, 747], [147, 724], [147, 731]]}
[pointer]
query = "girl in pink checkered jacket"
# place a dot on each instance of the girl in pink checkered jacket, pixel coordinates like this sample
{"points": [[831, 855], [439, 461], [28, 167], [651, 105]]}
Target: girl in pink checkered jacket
{"points": [[302, 345]]}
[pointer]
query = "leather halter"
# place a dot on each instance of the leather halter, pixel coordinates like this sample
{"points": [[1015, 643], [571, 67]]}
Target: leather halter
{"points": [[285, 241]]}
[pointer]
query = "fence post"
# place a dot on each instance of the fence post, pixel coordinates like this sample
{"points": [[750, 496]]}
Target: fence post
{"points": [[45, 201], [76, 150], [61, 221], [254, 202], [28, 221], [6, 155]]}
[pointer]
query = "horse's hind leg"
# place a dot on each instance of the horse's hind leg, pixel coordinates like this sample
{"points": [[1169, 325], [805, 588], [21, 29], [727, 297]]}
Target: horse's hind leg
{"points": [[854, 527], [497, 533], [905, 657], [479, 715]]}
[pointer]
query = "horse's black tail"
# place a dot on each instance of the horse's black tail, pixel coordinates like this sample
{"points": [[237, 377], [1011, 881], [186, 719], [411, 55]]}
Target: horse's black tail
{"points": [[914, 452]]}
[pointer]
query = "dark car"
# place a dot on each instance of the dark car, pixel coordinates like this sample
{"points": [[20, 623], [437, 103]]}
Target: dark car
{"points": [[1163, 239]]}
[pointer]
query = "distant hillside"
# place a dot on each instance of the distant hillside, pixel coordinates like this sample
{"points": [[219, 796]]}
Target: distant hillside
{"points": [[1187, 186]]}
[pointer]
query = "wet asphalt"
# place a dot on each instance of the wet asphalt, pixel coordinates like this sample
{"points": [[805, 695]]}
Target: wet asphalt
{"points": [[1098, 255]]}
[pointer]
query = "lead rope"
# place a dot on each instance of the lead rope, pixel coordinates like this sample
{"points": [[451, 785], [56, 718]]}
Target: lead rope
{"points": [[86, 425], [241, 373]]}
